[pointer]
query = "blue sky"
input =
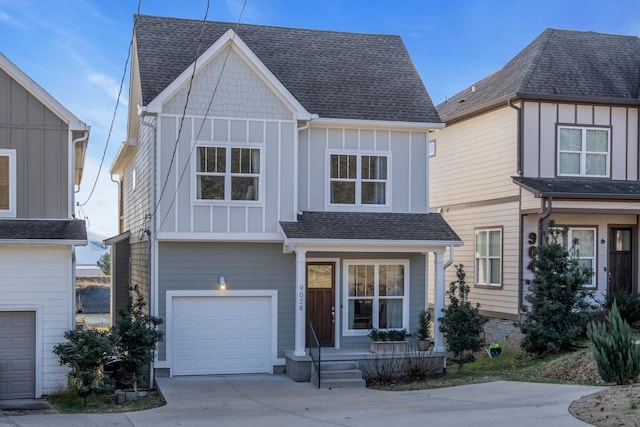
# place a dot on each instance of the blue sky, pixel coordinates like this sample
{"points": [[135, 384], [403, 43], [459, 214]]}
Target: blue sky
{"points": [[76, 49]]}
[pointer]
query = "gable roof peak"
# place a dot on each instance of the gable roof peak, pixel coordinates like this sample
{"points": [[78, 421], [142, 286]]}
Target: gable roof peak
{"points": [[578, 66]]}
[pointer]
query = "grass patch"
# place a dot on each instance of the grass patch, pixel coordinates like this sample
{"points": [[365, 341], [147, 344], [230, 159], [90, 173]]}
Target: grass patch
{"points": [[70, 403], [575, 367]]}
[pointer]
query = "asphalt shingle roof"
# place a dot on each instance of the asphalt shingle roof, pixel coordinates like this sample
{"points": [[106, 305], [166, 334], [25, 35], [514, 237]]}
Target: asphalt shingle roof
{"points": [[369, 226], [580, 188], [42, 229], [560, 64], [333, 74]]}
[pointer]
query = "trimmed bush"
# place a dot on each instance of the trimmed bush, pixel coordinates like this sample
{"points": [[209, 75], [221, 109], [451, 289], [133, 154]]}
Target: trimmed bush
{"points": [[614, 349], [628, 305]]}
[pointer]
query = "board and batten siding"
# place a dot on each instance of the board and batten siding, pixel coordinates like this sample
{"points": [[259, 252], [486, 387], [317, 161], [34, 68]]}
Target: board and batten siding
{"points": [[41, 141], [245, 112], [475, 160], [48, 290], [540, 136], [245, 266], [407, 170]]}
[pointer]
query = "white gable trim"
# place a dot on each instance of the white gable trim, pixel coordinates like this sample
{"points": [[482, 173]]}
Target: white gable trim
{"points": [[378, 124], [230, 37], [42, 95]]}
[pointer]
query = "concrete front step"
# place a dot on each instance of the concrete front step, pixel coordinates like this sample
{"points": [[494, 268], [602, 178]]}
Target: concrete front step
{"points": [[338, 374]]}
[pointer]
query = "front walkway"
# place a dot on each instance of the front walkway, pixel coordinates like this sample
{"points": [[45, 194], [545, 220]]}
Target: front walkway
{"points": [[276, 400]]}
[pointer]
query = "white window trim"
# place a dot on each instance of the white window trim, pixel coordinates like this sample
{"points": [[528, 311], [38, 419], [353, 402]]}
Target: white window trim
{"points": [[583, 152], [358, 206], [11, 212], [487, 258], [228, 175], [594, 258], [345, 293]]}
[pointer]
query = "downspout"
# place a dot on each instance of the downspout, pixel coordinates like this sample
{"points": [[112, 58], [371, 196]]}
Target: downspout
{"points": [[518, 137], [541, 220], [448, 263], [296, 167], [84, 151]]}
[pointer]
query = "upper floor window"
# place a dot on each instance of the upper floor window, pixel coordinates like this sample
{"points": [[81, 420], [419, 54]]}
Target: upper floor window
{"points": [[583, 151], [358, 179], [7, 183], [228, 173], [489, 257]]}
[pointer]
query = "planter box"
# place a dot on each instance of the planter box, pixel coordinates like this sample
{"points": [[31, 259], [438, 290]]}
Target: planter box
{"points": [[389, 346]]}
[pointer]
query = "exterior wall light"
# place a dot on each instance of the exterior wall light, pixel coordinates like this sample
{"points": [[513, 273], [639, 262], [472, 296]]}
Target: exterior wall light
{"points": [[222, 284]]}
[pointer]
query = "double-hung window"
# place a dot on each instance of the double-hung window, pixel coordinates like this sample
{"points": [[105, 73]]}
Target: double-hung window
{"points": [[488, 257], [228, 173], [358, 179], [583, 151], [376, 295], [7, 183], [582, 242]]}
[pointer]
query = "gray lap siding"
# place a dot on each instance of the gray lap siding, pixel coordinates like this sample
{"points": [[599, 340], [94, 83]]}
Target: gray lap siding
{"points": [[245, 266]]}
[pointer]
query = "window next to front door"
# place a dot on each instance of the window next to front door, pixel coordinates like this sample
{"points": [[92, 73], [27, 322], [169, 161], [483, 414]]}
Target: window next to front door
{"points": [[7, 183], [376, 295]]}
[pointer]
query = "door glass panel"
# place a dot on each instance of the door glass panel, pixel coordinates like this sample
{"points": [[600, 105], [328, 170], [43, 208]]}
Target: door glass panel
{"points": [[623, 240], [319, 276]]}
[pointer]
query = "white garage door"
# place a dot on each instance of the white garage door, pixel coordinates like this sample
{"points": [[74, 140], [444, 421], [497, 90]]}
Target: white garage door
{"points": [[17, 354], [221, 335]]}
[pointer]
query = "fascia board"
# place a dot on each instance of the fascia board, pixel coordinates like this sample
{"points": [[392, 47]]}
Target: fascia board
{"points": [[379, 124], [42, 95]]}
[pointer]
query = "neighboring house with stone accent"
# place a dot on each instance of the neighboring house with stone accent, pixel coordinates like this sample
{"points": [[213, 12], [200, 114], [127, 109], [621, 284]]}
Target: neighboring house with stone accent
{"points": [[291, 189], [42, 150], [553, 135]]}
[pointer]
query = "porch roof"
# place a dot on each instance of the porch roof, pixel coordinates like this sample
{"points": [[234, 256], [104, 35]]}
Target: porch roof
{"points": [[580, 188], [369, 226], [45, 231]]}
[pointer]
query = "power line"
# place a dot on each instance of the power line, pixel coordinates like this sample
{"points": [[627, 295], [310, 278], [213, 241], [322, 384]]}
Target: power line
{"points": [[184, 110], [206, 114], [115, 111]]}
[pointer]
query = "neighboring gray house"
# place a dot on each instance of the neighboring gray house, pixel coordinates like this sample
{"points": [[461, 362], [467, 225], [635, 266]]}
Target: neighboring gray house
{"points": [[292, 188], [42, 150], [553, 135]]}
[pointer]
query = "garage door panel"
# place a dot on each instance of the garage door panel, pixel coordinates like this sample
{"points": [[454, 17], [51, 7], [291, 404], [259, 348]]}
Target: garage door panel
{"points": [[17, 354], [220, 335]]}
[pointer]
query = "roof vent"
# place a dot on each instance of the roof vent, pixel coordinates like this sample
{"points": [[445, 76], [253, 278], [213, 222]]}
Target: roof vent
{"points": [[473, 89]]}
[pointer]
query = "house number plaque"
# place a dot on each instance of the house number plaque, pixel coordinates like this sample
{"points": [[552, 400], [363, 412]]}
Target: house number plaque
{"points": [[301, 298]]}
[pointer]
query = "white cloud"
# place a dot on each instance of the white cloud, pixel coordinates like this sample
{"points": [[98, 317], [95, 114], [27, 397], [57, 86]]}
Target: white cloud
{"points": [[109, 86], [6, 18], [101, 211]]}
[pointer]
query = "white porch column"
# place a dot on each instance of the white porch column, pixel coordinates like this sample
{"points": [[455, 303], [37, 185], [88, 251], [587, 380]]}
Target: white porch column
{"points": [[301, 303], [438, 300]]}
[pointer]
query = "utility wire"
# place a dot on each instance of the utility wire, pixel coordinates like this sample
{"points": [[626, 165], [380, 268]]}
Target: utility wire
{"points": [[115, 111], [215, 90], [184, 110]]}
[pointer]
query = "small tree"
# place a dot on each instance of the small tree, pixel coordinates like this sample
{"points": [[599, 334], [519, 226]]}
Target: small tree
{"points": [[462, 322], [614, 349], [136, 336], [85, 352], [558, 308], [104, 262]]}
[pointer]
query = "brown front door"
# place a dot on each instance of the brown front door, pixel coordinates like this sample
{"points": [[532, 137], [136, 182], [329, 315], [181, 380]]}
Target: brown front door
{"points": [[321, 301], [620, 260]]}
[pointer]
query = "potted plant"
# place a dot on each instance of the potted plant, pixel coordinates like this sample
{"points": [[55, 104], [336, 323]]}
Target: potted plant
{"points": [[388, 340], [423, 333], [494, 350]]}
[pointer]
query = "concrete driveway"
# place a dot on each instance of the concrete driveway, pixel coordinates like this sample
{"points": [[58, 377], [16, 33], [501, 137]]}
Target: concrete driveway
{"points": [[276, 400]]}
